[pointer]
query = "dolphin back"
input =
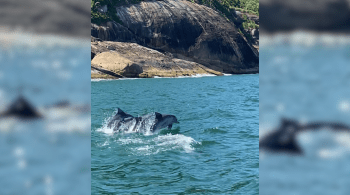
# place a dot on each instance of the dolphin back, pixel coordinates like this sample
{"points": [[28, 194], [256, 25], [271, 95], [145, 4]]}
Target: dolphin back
{"points": [[152, 122], [164, 121], [119, 117]]}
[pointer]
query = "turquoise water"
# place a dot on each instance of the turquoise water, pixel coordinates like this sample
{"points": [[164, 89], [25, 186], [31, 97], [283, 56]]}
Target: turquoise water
{"points": [[307, 83], [50, 155], [213, 150]]}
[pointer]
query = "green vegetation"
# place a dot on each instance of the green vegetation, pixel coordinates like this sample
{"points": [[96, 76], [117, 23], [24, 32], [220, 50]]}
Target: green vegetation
{"points": [[227, 7], [245, 6], [99, 18], [252, 6], [249, 25]]}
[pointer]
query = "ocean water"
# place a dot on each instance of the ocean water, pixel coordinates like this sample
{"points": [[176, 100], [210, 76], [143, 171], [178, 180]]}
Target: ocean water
{"points": [[49, 155], [213, 150], [306, 77]]}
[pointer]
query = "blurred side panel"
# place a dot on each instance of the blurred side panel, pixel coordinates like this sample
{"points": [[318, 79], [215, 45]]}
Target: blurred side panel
{"points": [[45, 97], [304, 97]]}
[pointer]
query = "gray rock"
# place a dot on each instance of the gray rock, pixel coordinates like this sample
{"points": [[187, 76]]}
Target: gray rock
{"points": [[183, 29], [255, 32]]}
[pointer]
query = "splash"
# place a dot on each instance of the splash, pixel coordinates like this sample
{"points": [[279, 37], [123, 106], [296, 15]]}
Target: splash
{"points": [[146, 144], [130, 125], [161, 143], [105, 129]]}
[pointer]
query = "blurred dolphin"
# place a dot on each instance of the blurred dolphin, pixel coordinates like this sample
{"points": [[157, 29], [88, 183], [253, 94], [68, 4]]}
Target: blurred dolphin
{"points": [[284, 138], [21, 108]]}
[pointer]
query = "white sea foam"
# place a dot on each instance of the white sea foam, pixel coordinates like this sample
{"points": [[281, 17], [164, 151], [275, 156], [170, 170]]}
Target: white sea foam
{"points": [[157, 77], [120, 79], [197, 76], [126, 141], [147, 145], [144, 146], [75, 124], [176, 141], [105, 129], [66, 119], [306, 38], [130, 78], [160, 143], [344, 106], [9, 37], [8, 124], [325, 143], [106, 143], [98, 80]]}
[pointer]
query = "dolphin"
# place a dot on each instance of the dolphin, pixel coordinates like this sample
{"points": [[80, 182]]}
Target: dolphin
{"points": [[153, 122], [21, 108], [283, 139]]}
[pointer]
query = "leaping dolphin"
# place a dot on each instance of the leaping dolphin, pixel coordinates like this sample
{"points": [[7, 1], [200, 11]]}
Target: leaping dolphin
{"points": [[152, 122], [284, 138]]}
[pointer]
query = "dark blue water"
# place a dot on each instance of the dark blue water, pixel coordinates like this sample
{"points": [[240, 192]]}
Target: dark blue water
{"points": [[306, 81], [213, 150], [50, 155]]}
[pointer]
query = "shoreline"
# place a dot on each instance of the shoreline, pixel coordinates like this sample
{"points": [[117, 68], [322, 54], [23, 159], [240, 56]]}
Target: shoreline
{"points": [[178, 77]]}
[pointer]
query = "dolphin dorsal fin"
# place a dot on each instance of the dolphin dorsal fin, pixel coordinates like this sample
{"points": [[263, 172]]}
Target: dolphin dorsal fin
{"points": [[122, 113], [158, 115]]}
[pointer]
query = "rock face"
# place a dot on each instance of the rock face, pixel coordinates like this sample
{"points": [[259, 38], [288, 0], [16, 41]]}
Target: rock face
{"points": [[187, 30], [120, 59], [317, 15]]}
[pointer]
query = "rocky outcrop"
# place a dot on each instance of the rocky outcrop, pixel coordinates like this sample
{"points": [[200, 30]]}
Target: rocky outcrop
{"points": [[316, 15], [188, 31], [122, 59]]}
